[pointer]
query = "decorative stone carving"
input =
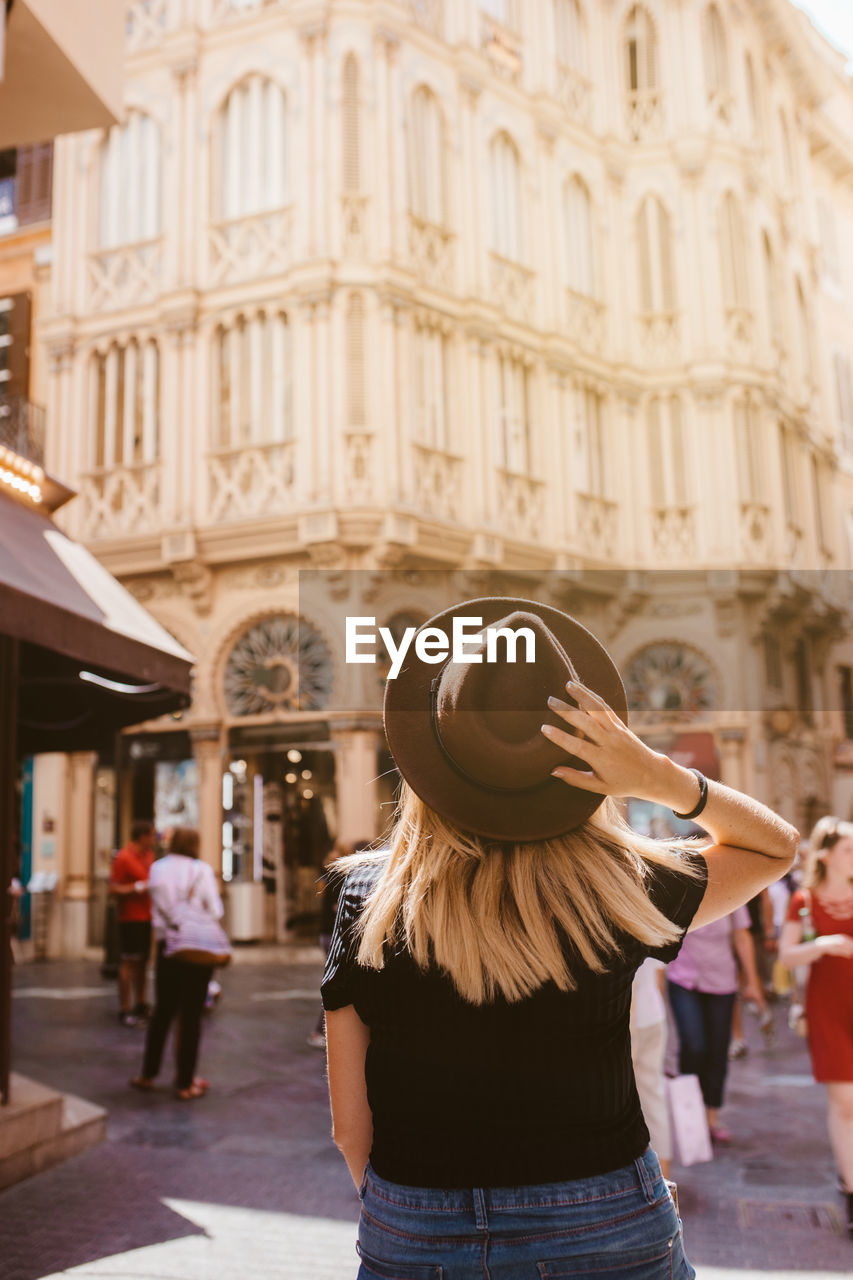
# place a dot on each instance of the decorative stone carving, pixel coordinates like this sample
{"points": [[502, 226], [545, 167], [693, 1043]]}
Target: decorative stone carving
{"points": [[249, 247], [670, 681], [280, 663], [195, 581]]}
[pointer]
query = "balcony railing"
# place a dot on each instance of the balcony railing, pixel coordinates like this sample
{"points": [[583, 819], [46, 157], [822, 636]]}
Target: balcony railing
{"points": [[574, 91], [597, 529], [22, 428], [644, 115], [431, 251], [437, 482], [248, 247], [121, 501], [125, 275], [251, 482], [521, 505], [673, 533], [511, 287], [584, 320]]}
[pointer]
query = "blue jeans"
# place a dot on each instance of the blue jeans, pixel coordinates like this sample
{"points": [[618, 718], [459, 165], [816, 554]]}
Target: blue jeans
{"points": [[615, 1226], [704, 1024]]}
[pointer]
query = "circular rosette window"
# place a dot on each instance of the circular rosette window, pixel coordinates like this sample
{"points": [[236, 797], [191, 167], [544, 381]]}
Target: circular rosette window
{"points": [[670, 681], [280, 664]]}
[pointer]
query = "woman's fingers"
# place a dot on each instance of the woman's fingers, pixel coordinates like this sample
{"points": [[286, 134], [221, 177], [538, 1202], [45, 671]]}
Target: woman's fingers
{"points": [[590, 702], [580, 779], [580, 720], [570, 742]]}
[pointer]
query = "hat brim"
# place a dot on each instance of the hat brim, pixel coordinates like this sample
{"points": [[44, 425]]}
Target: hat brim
{"points": [[539, 813]]}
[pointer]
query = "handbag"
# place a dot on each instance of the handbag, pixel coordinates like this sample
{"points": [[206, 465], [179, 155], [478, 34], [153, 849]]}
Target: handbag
{"points": [[688, 1120], [194, 937]]}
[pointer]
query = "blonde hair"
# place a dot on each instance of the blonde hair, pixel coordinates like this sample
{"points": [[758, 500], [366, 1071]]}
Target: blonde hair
{"points": [[495, 916], [825, 836]]}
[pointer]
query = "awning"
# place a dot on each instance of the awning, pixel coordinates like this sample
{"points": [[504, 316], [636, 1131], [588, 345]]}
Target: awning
{"points": [[92, 659]]}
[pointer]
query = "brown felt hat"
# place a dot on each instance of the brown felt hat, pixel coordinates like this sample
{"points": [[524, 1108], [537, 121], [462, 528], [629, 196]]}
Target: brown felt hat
{"points": [[466, 735]]}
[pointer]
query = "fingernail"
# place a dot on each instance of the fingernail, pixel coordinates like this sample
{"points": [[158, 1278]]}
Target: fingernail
{"points": [[572, 684], [553, 702], [547, 729]]}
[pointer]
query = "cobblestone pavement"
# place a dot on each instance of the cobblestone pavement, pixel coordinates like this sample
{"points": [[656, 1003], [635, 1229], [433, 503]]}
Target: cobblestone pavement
{"points": [[246, 1184]]}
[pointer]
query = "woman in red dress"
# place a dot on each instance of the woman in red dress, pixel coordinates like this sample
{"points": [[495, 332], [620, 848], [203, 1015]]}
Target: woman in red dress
{"points": [[818, 933]]}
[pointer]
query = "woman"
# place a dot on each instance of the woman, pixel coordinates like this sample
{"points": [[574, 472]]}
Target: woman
{"points": [[479, 980], [181, 988], [703, 984], [818, 933]]}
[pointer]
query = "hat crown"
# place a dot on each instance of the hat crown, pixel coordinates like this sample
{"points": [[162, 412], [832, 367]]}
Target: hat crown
{"points": [[488, 715]]}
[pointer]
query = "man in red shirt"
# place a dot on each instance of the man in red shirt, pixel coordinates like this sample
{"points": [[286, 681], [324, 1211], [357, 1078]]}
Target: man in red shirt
{"points": [[129, 885]]}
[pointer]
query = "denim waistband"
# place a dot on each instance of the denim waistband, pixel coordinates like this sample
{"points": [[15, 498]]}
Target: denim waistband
{"points": [[641, 1174]]}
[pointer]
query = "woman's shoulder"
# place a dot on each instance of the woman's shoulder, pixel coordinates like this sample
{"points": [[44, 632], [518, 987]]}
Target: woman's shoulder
{"points": [[361, 878]]}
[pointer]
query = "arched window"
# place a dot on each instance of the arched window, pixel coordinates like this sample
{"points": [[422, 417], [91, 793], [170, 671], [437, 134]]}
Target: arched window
{"points": [[667, 471], [570, 34], [733, 254], [753, 100], [641, 74], [716, 54], [427, 158], [747, 429], [641, 54], [251, 142], [431, 387], [590, 464], [580, 238], [350, 127], [771, 290], [843, 400], [514, 409], [130, 192], [355, 347], [506, 197], [787, 151], [654, 246], [127, 404], [804, 333], [253, 401]]}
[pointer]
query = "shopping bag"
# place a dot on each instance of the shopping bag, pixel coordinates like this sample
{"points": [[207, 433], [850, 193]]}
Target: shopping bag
{"points": [[689, 1120]]}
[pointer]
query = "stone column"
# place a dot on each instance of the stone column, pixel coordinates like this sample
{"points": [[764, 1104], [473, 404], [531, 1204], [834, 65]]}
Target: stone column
{"points": [[732, 758], [207, 750], [356, 770], [77, 853], [472, 251]]}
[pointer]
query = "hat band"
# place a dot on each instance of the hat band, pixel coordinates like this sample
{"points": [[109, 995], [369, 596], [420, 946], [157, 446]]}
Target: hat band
{"points": [[463, 773]]}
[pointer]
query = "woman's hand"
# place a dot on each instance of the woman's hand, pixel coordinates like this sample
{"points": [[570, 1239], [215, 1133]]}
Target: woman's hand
{"points": [[835, 944], [619, 763]]}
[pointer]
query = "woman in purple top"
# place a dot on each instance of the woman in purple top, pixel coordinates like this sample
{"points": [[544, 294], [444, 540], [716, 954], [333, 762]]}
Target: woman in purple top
{"points": [[702, 983]]}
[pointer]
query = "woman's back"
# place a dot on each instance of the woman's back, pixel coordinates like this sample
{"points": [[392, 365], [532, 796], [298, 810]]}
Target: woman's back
{"points": [[503, 1092]]}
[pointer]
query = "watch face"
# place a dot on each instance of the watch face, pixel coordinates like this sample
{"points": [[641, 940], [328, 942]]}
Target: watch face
{"points": [[670, 681]]}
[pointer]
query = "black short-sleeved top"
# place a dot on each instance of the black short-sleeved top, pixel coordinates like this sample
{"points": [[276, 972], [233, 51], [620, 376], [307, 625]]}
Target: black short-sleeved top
{"points": [[504, 1093]]}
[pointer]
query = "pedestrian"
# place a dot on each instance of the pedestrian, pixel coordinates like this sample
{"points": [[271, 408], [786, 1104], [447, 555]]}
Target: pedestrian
{"points": [[648, 1052], [818, 934], [129, 885], [702, 982], [763, 949], [181, 987], [478, 985]]}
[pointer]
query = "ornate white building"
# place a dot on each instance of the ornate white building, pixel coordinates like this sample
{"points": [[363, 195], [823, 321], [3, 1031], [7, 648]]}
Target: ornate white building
{"points": [[556, 287]]}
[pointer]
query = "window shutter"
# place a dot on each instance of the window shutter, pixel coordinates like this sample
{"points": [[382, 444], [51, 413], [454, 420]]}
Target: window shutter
{"points": [[34, 180], [18, 350], [355, 361], [351, 141], [644, 244], [657, 475]]}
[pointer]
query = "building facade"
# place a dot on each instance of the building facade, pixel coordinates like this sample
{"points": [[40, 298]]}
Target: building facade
{"points": [[550, 294]]}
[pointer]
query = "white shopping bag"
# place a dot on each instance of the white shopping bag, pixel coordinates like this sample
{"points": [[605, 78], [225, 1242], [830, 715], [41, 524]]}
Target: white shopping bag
{"points": [[691, 1138]]}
